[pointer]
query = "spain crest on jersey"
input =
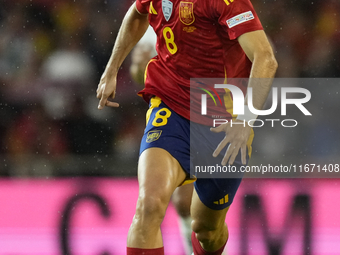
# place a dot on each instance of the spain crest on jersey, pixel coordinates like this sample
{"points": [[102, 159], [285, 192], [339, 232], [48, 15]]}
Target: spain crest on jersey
{"points": [[167, 9], [186, 13]]}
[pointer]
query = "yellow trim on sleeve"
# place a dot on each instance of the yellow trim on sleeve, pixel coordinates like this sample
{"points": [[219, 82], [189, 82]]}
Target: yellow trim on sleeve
{"points": [[152, 9], [226, 1]]}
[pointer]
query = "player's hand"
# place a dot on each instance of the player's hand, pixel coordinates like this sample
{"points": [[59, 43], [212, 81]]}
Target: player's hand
{"points": [[106, 90], [237, 136]]}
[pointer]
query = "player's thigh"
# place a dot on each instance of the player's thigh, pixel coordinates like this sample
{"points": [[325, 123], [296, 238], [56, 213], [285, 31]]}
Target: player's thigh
{"points": [[167, 130], [165, 150], [216, 191], [159, 173]]}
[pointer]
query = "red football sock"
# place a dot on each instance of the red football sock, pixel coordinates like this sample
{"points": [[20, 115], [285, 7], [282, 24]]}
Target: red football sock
{"points": [[198, 250], [141, 251]]}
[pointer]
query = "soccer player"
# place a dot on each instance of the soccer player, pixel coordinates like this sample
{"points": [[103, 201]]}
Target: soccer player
{"points": [[199, 38]]}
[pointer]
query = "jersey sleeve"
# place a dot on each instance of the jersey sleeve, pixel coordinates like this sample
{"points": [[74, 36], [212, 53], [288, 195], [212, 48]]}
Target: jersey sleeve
{"points": [[236, 17], [143, 6]]}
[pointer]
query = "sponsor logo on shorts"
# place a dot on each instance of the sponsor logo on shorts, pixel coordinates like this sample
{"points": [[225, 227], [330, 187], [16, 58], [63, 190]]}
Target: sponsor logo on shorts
{"points": [[153, 135], [243, 17]]}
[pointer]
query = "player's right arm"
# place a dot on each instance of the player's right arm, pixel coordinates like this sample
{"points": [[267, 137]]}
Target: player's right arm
{"points": [[239, 20], [132, 29], [259, 51]]}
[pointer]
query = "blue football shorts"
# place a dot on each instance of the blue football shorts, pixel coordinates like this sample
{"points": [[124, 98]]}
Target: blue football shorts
{"points": [[191, 144]]}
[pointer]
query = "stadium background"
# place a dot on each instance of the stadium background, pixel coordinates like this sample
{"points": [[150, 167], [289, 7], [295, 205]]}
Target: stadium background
{"points": [[56, 146]]}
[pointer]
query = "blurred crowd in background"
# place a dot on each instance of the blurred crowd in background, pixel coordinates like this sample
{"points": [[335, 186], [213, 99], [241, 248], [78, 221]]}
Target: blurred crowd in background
{"points": [[52, 54]]}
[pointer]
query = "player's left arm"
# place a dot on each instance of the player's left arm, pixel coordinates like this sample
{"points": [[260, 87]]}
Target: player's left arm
{"points": [[259, 51]]}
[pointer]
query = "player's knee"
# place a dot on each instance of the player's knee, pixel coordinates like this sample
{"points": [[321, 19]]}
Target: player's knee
{"points": [[206, 230], [151, 209]]}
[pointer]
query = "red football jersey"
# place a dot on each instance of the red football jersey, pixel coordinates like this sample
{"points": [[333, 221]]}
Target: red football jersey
{"points": [[196, 39]]}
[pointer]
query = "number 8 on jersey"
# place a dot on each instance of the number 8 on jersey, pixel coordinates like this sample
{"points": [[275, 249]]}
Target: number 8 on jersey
{"points": [[170, 40]]}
